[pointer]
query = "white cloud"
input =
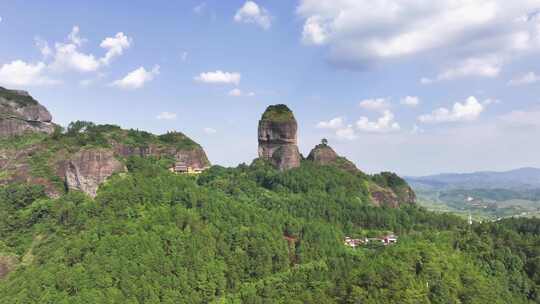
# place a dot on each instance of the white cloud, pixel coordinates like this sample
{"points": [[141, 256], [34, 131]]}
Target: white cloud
{"points": [[377, 104], [43, 47], [251, 12], [363, 31], [67, 56], [346, 133], [467, 111], [210, 131], [336, 123], [219, 77], [115, 46], [315, 32], [411, 101], [383, 124], [489, 67], [236, 92], [166, 116], [74, 36], [137, 78], [19, 73], [528, 78]]}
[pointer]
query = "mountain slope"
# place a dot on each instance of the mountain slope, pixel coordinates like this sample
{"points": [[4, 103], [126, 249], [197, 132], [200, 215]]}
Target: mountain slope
{"points": [[523, 178]]}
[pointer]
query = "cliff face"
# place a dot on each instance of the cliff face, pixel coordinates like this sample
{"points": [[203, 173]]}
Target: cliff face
{"points": [[88, 169], [390, 190], [71, 160], [193, 156], [20, 113], [278, 138]]}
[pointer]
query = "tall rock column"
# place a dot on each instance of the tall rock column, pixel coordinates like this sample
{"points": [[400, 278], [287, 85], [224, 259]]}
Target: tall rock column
{"points": [[278, 139]]}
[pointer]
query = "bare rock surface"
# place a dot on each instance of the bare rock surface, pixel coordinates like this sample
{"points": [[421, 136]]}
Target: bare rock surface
{"points": [[88, 169], [20, 113], [277, 136]]}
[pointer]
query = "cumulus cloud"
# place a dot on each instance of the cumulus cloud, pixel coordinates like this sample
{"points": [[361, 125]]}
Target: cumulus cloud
{"points": [[43, 47], [411, 101], [64, 56], [347, 133], [251, 12], [166, 116], [333, 124], [115, 46], [315, 32], [219, 77], [236, 92], [362, 31], [377, 104], [383, 124], [137, 78], [467, 111], [528, 78], [19, 73], [68, 55], [210, 131], [489, 67]]}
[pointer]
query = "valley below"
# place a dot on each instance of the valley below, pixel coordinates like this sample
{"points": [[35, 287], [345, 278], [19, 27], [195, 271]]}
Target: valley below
{"points": [[486, 196]]}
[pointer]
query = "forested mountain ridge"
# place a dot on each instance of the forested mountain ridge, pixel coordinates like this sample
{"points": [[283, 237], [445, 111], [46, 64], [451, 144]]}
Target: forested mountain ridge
{"points": [[84, 155], [34, 150], [258, 233]]}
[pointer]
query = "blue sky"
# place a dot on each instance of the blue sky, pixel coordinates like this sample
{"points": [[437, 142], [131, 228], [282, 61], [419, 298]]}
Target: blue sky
{"points": [[416, 87]]}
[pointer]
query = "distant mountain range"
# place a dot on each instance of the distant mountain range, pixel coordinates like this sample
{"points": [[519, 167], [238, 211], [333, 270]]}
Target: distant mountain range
{"points": [[523, 178]]}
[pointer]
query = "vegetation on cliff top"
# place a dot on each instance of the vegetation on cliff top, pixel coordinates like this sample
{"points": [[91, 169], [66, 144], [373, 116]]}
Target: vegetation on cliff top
{"points": [[87, 133], [43, 153], [278, 113], [253, 234], [17, 97]]}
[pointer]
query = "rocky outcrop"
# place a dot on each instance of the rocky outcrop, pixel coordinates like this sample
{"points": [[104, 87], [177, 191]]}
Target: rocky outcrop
{"points": [[193, 157], [88, 169], [278, 138], [390, 190], [20, 113], [324, 155]]}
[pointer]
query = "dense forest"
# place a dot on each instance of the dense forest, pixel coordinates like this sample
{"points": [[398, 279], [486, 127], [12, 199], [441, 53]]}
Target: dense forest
{"points": [[252, 234]]}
